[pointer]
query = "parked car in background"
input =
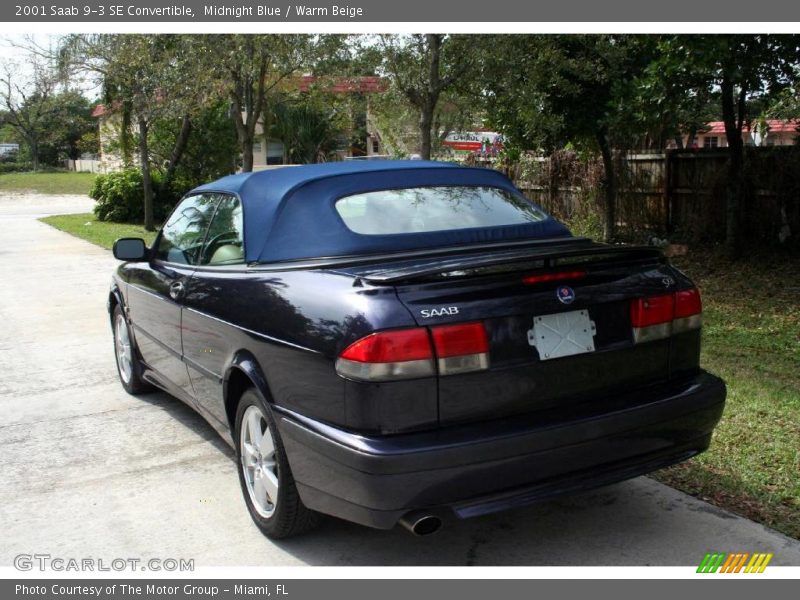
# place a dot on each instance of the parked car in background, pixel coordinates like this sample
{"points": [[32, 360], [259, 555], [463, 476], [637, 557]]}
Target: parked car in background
{"points": [[404, 341]]}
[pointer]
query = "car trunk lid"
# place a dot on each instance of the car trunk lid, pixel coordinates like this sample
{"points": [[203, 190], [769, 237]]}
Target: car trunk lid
{"points": [[557, 318]]}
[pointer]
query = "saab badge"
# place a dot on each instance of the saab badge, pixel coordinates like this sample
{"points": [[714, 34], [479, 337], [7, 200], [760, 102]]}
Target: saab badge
{"points": [[566, 295]]}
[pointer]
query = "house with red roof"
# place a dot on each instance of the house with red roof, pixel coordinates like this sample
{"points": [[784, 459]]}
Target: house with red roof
{"points": [[772, 132], [109, 121]]}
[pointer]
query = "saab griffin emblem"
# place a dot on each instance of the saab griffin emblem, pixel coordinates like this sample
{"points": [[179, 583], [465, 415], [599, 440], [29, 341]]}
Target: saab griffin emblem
{"points": [[566, 295]]}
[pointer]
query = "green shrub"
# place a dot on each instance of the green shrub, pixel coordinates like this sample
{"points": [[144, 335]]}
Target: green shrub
{"points": [[120, 197], [14, 167]]}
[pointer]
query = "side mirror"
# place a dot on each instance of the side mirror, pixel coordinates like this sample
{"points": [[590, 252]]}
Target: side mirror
{"points": [[130, 249]]}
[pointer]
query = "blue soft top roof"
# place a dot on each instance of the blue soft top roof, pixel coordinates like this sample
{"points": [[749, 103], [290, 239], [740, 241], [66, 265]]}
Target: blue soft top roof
{"points": [[289, 212]]}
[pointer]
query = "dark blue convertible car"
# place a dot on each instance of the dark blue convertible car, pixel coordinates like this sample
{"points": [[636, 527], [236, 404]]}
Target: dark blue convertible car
{"points": [[408, 341]]}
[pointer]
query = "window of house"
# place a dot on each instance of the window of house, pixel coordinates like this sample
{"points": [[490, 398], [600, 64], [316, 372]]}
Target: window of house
{"points": [[256, 147], [711, 142], [275, 151]]}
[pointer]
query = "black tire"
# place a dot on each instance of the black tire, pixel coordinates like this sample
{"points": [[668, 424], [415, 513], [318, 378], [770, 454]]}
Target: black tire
{"points": [[135, 385], [289, 517]]}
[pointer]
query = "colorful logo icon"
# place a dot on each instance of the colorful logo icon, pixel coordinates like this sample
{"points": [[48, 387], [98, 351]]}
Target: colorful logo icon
{"points": [[565, 294], [720, 562]]}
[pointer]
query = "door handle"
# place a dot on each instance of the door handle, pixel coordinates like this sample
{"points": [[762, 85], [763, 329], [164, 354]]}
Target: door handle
{"points": [[176, 290]]}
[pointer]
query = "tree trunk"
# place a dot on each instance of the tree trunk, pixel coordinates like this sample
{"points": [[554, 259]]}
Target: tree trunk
{"points": [[147, 182], [733, 187], [431, 95], [425, 124], [247, 154], [244, 131], [125, 134], [690, 139], [248, 96], [34, 146], [609, 187], [177, 152]]}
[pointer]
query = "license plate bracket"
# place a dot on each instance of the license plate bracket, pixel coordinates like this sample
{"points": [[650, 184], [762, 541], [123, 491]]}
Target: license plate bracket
{"points": [[562, 334]]}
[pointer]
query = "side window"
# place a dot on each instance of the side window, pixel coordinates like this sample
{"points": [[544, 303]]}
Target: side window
{"points": [[225, 240], [182, 236]]}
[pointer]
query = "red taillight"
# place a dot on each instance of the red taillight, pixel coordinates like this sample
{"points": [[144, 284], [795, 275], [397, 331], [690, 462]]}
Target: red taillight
{"points": [[560, 276], [391, 346], [688, 303], [461, 348], [461, 339], [408, 353], [389, 356], [659, 317], [653, 310]]}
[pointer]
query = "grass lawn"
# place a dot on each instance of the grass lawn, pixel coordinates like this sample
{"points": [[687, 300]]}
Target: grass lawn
{"points": [[103, 234], [60, 182], [751, 338]]}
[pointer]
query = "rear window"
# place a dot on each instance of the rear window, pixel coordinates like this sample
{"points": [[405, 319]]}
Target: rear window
{"points": [[441, 208]]}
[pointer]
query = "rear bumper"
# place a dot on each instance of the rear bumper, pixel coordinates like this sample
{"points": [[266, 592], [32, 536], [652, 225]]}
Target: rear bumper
{"points": [[481, 468]]}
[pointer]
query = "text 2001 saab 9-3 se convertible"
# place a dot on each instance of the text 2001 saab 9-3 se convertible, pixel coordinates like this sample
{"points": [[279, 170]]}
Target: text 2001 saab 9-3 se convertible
{"points": [[402, 341]]}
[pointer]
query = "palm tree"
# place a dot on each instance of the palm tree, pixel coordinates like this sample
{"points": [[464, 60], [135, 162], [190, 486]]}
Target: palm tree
{"points": [[309, 134]]}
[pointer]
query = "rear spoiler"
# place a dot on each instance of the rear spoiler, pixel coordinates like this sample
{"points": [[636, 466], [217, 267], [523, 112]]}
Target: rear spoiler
{"points": [[545, 257]]}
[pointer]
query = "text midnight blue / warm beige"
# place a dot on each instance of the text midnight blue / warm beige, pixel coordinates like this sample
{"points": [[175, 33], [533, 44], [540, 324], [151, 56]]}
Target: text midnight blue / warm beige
{"points": [[239, 11]]}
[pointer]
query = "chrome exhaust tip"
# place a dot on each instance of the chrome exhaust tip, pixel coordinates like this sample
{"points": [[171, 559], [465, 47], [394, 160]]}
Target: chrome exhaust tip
{"points": [[421, 523]]}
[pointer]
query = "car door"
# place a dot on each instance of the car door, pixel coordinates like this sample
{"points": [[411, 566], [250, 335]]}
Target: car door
{"points": [[157, 288], [212, 300]]}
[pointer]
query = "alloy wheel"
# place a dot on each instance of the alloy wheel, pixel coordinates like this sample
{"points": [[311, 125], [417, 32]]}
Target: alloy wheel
{"points": [[259, 465], [122, 344]]}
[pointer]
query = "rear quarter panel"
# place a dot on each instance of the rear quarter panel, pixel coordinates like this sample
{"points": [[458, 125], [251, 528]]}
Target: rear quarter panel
{"points": [[294, 323]]}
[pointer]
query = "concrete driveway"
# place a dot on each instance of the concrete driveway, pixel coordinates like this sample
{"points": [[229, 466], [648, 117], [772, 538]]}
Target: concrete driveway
{"points": [[88, 471]]}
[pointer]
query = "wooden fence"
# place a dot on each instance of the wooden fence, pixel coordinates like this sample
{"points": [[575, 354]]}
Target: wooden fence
{"points": [[679, 193], [87, 165]]}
